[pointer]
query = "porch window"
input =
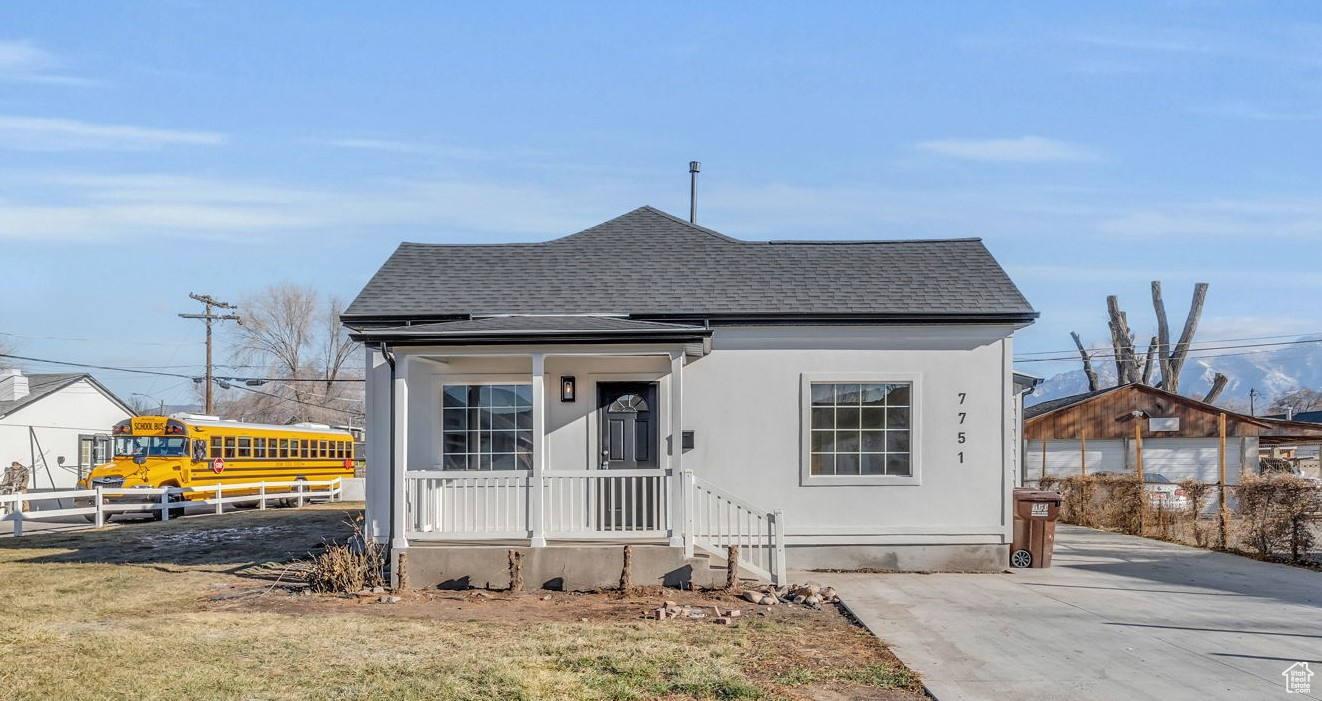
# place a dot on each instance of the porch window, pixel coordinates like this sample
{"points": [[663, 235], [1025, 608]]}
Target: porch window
{"points": [[486, 427], [860, 429]]}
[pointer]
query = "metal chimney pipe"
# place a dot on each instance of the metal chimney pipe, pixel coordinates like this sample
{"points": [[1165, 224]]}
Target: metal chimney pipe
{"points": [[694, 167]]}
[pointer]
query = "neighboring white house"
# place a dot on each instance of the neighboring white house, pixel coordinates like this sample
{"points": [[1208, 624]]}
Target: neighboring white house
{"points": [[46, 417], [652, 379]]}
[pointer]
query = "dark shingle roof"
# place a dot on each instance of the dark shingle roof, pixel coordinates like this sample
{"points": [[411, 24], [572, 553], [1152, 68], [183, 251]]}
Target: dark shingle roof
{"points": [[549, 325], [39, 386], [1061, 402], [650, 264]]}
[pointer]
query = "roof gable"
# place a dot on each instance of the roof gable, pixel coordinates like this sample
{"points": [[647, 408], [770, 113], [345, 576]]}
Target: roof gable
{"points": [[650, 264], [42, 385], [1123, 396]]}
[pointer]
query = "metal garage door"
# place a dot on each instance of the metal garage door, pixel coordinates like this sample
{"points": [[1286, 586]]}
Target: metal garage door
{"points": [[1063, 458], [1185, 458]]}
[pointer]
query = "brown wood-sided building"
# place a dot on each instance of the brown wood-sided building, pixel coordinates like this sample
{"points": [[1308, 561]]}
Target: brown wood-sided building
{"points": [[1100, 432]]}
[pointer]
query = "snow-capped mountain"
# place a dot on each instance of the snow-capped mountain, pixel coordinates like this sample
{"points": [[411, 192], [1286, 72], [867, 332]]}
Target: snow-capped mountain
{"points": [[1270, 370]]}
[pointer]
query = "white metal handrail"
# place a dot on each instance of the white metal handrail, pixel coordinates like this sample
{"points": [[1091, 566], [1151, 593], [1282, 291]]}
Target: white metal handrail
{"points": [[167, 499], [715, 519]]}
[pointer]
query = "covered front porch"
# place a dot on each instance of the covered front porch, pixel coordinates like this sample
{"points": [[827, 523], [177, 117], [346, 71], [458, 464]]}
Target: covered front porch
{"points": [[538, 447]]}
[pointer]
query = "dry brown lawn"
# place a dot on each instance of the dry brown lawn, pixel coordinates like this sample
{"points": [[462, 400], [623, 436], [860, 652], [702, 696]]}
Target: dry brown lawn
{"points": [[199, 608]]}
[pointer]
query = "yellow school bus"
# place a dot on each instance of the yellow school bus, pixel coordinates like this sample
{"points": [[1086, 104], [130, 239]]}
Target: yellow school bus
{"points": [[187, 450]]}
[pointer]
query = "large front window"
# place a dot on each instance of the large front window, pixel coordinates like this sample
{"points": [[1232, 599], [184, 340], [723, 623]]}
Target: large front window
{"points": [[150, 446], [860, 429], [486, 427]]}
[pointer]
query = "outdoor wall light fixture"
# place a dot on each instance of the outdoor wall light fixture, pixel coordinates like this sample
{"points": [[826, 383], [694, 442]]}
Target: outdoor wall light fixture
{"points": [[567, 388]]}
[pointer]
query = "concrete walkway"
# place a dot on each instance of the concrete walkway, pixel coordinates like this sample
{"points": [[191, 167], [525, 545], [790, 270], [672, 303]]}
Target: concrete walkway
{"points": [[1115, 617]]}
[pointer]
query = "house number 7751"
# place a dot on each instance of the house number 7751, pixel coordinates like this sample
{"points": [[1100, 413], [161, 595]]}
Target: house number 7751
{"points": [[961, 436]]}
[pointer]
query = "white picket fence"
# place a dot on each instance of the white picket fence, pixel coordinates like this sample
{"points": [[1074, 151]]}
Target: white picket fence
{"points": [[105, 501]]}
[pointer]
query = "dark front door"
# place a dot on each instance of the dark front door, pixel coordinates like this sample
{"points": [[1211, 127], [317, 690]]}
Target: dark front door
{"points": [[628, 414], [628, 425]]}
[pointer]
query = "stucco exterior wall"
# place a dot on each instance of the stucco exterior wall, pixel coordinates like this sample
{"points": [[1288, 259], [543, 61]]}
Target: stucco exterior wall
{"points": [[57, 420], [745, 402]]}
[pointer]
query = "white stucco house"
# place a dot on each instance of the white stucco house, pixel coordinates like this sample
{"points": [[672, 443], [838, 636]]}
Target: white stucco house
{"points": [[46, 417], [842, 404]]}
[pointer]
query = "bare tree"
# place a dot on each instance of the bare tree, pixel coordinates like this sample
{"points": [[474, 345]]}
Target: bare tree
{"points": [[294, 341], [142, 406], [1219, 383], [1093, 383], [1180, 353], [1160, 355], [1298, 399]]}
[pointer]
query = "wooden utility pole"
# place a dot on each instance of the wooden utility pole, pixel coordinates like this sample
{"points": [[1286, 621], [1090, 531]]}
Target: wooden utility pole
{"points": [[1223, 515], [1138, 465], [1138, 448], [209, 317], [1083, 452], [1044, 464]]}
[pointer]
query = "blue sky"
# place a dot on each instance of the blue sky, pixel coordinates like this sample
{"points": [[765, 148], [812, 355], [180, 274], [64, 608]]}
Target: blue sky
{"points": [[150, 149]]}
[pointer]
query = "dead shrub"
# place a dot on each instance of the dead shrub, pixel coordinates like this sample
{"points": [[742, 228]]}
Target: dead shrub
{"points": [[1273, 512], [353, 566], [1080, 494], [1121, 503], [1197, 493]]}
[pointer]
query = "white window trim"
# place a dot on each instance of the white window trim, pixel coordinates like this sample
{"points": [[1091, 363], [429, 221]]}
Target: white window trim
{"points": [[807, 479]]}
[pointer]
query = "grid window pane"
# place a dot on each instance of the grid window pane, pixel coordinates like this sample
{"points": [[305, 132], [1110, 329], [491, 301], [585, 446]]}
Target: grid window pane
{"points": [[823, 395], [860, 429], [872, 464], [486, 427]]}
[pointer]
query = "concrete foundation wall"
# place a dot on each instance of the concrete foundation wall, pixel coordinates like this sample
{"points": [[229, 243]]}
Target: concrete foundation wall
{"points": [[900, 558], [561, 568]]}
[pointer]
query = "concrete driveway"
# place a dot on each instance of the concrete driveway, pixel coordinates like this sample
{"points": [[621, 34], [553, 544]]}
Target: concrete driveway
{"points": [[1115, 617]]}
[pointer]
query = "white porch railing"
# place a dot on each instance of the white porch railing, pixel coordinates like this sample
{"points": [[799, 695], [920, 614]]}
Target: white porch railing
{"points": [[716, 519], [101, 502], [581, 504], [608, 503], [466, 505], [617, 505]]}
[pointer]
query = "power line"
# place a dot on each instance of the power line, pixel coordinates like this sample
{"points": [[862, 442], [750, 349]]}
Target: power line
{"points": [[95, 367], [1075, 351], [1101, 355], [188, 377], [101, 340]]}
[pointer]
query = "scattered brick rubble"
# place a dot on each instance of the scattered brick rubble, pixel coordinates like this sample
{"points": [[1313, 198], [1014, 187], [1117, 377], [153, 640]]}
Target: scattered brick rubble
{"points": [[810, 595]]}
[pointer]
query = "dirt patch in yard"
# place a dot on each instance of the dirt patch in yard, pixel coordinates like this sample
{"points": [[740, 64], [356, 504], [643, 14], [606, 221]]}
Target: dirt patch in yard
{"points": [[86, 608], [809, 654], [801, 653]]}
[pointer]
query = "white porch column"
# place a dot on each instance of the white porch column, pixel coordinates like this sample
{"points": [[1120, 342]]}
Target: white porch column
{"points": [[400, 413], [536, 490], [678, 531]]}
